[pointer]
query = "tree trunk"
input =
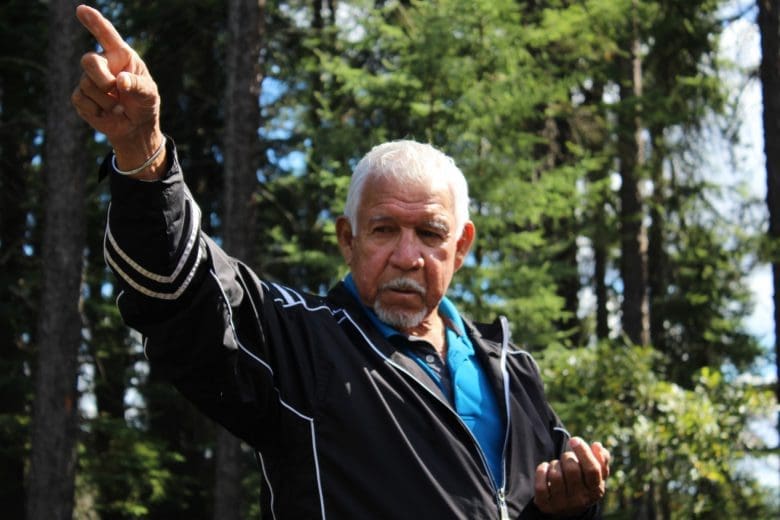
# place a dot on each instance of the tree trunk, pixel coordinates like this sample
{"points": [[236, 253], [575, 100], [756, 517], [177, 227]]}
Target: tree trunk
{"points": [[656, 257], [22, 90], [227, 476], [14, 384], [600, 260], [54, 422], [769, 26], [564, 231], [111, 358], [245, 25], [633, 239]]}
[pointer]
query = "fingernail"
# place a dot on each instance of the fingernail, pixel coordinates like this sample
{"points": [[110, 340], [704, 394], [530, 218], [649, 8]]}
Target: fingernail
{"points": [[574, 442], [118, 109]]}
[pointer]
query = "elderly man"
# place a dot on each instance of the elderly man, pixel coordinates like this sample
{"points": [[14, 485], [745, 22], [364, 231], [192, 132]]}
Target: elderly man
{"points": [[378, 400]]}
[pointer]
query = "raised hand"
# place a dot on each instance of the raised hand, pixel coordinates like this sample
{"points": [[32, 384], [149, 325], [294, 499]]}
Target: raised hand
{"points": [[117, 96], [575, 482]]}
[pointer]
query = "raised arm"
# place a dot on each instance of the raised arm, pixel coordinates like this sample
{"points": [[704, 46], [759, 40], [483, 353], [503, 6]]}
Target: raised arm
{"points": [[174, 284], [118, 97]]}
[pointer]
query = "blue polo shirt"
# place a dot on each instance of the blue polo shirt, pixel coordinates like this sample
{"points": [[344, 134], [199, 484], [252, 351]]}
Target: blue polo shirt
{"points": [[463, 380]]}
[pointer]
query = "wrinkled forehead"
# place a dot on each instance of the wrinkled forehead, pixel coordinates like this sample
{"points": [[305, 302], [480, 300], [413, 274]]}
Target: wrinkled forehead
{"points": [[421, 200], [431, 189]]}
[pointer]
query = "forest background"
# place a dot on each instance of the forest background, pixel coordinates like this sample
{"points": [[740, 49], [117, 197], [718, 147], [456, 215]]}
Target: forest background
{"points": [[616, 227]]}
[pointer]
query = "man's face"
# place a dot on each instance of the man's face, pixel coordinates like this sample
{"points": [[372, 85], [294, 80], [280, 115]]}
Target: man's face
{"points": [[404, 250]]}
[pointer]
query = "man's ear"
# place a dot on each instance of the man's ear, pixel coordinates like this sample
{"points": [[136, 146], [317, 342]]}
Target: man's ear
{"points": [[345, 237], [464, 243]]}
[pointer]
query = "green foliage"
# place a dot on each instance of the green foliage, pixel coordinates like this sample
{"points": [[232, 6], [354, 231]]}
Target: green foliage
{"points": [[454, 73], [678, 448], [705, 305], [136, 470]]}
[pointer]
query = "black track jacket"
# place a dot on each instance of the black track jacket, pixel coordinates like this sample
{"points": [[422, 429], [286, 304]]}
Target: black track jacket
{"points": [[345, 426]]}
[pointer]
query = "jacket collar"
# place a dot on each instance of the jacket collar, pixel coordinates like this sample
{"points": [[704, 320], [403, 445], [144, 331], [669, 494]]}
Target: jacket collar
{"points": [[340, 296], [487, 339], [491, 336]]}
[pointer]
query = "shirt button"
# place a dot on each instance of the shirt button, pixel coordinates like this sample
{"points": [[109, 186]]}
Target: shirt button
{"points": [[429, 358]]}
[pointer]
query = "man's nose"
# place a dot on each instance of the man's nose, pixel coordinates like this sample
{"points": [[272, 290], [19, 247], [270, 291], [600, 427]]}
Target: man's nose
{"points": [[407, 253]]}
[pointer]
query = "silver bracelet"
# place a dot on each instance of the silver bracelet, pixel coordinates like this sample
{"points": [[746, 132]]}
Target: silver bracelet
{"points": [[144, 166]]}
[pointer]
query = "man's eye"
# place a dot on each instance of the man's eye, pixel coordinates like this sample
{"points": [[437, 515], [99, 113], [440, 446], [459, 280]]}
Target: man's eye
{"points": [[431, 235]]}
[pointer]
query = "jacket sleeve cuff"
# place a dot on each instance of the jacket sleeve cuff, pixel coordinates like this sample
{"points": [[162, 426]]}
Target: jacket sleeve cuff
{"points": [[152, 237]]}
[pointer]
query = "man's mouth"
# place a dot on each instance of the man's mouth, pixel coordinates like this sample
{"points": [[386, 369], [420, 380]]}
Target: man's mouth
{"points": [[404, 286]]}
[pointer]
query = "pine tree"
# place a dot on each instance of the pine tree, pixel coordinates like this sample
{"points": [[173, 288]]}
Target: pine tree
{"points": [[769, 26], [242, 120], [51, 480], [22, 101]]}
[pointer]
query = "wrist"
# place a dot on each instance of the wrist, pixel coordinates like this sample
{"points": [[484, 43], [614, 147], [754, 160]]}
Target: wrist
{"points": [[146, 152]]}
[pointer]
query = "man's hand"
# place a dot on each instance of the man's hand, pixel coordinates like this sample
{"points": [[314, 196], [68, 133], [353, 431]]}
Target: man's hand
{"points": [[118, 97], [567, 487]]}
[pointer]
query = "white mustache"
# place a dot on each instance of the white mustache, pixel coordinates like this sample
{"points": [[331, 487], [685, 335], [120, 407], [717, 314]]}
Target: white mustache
{"points": [[404, 284]]}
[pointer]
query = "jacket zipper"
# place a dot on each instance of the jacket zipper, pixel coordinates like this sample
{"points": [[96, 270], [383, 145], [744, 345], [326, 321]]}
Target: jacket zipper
{"points": [[500, 491], [502, 504]]}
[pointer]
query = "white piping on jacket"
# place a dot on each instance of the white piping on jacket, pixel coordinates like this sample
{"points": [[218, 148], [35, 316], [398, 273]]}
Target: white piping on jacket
{"points": [[191, 241], [278, 393]]}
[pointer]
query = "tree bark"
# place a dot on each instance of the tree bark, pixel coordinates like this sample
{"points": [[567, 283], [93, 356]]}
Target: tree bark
{"points": [[557, 133], [657, 260], [54, 423], [245, 25], [600, 261], [633, 239], [769, 27], [19, 90]]}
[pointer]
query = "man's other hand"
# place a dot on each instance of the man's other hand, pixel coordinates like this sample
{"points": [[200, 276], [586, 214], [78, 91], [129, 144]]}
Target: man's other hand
{"points": [[569, 486]]}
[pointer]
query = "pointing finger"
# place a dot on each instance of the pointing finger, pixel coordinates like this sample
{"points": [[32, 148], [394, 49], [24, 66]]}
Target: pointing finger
{"points": [[103, 31]]}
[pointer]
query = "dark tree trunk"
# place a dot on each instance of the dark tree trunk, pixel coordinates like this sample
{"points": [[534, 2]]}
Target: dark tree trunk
{"points": [[769, 26], [14, 384], [633, 235], [244, 75], [111, 358], [600, 259], [596, 220], [563, 232], [22, 92], [228, 474], [54, 422], [656, 257]]}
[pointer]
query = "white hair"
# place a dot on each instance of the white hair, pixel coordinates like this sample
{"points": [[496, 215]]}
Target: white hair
{"points": [[412, 162]]}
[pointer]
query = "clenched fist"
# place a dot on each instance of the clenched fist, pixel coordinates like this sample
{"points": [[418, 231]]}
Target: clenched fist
{"points": [[575, 482]]}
